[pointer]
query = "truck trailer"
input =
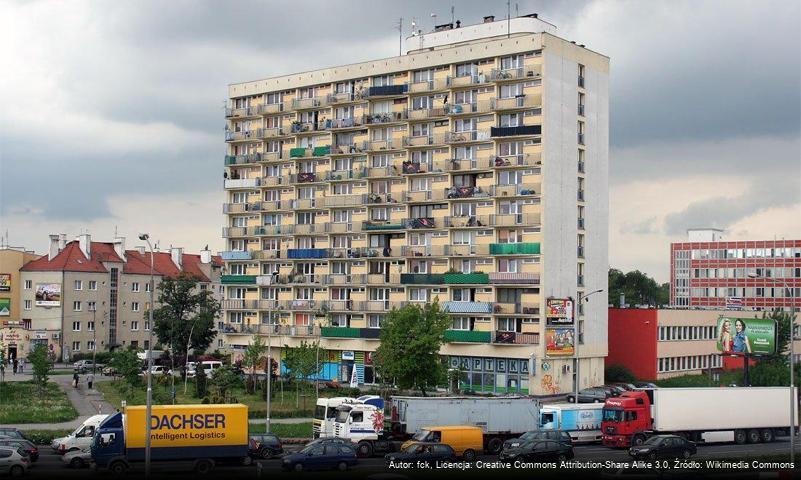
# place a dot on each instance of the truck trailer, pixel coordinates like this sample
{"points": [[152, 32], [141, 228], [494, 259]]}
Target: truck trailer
{"points": [[582, 421], [200, 434], [725, 414]]}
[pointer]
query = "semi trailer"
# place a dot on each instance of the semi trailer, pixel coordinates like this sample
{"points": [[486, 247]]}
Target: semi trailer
{"points": [[582, 421]]}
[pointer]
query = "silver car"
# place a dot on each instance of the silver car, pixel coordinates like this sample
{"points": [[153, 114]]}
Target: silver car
{"points": [[14, 461], [78, 458]]}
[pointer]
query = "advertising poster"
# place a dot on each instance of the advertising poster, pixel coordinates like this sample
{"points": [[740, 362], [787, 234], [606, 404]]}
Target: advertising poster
{"points": [[559, 342], [746, 335], [559, 311], [48, 294], [5, 282], [5, 307]]}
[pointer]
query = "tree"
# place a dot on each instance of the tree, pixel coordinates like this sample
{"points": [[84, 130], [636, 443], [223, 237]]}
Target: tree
{"points": [[618, 373], [223, 380], [128, 366], [774, 369], [184, 309], [639, 289], [409, 351], [41, 364], [301, 361], [201, 382], [254, 353]]}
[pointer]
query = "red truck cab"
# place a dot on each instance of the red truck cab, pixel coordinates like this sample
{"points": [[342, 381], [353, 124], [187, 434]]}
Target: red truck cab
{"points": [[626, 419]]}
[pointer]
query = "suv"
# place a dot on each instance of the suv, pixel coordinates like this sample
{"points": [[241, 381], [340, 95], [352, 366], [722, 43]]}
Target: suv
{"points": [[590, 395], [557, 435], [13, 461], [265, 445]]}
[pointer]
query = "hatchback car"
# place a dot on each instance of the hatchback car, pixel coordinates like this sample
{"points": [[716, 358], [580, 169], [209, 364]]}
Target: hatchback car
{"points": [[14, 461], [265, 445], [78, 458], [557, 435], [589, 395], [26, 445], [321, 457], [539, 451], [428, 454], [12, 432], [664, 446]]}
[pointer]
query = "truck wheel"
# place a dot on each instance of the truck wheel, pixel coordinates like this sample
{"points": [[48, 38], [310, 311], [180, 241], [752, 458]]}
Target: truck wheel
{"points": [[753, 436], [342, 466], [495, 445], [638, 439], [76, 463], [469, 455], [364, 449], [740, 437], [202, 467], [767, 435], [17, 471], [118, 468]]}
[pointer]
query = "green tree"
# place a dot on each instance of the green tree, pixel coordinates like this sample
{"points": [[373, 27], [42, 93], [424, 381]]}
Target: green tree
{"points": [[301, 362], [254, 353], [774, 370], [184, 309], [638, 287], [128, 366], [223, 380], [201, 382], [41, 364], [409, 351], [618, 373]]}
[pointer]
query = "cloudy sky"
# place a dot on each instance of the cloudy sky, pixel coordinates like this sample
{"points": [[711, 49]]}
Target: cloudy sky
{"points": [[112, 112]]}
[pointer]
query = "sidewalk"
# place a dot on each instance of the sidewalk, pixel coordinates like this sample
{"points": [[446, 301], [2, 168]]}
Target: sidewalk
{"points": [[260, 421]]}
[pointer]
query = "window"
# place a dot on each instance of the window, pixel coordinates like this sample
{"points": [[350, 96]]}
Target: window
{"points": [[418, 295], [92, 306], [90, 326], [375, 320], [92, 284], [135, 287], [377, 161], [76, 306], [78, 285], [134, 306], [134, 325], [510, 62], [461, 323], [147, 287], [76, 346], [76, 326], [28, 304], [90, 345], [28, 284]]}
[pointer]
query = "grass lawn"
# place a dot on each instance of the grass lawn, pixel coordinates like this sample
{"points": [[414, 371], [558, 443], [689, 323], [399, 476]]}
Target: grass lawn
{"points": [[283, 406], [25, 402], [726, 378], [286, 430]]}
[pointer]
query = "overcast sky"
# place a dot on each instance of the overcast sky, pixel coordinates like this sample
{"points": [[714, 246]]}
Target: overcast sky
{"points": [[112, 112]]}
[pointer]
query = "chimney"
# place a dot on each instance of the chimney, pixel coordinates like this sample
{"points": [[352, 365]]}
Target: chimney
{"points": [[62, 241], [119, 247], [85, 242], [54, 244], [205, 256], [141, 250], [458, 23], [489, 19], [177, 254]]}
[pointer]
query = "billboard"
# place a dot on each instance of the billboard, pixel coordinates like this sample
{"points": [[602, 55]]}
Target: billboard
{"points": [[5, 282], [559, 342], [746, 335], [559, 311], [5, 307], [48, 294]]}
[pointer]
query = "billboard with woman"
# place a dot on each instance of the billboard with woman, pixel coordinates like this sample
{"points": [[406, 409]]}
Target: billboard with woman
{"points": [[746, 335]]}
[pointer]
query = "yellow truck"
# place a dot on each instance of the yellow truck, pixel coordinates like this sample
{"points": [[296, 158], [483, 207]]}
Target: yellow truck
{"points": [[201, 434]]}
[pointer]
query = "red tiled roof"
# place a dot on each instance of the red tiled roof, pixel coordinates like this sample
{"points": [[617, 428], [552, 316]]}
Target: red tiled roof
{"points": [[162, 264], [72, 259]]}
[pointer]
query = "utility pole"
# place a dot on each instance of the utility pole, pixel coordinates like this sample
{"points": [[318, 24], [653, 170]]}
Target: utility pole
{"points": [[400, 36], [269, 365]]}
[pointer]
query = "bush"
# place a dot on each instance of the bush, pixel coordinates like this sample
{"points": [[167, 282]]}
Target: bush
{"points": [[45, 437], [618, 373]]}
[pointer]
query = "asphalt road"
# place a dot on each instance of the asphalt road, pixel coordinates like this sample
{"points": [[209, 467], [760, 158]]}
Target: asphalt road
{"points": [[50, 464]]}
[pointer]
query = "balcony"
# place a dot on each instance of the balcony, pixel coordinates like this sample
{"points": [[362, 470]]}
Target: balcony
{"points": [[410, 167], [382, 118], [304, 253], [350, 332], [379, 145], [321, 151], [580, 195], [305, 177], [343, 97], [242, 159], [466, 278], [346, 123], [422, 278], [497, 75], [515, 248], [475, 78], [272, 132], [581, 223], [271, 156], [516, 131], [242, 207], [243, 135], [239, 304], [509, 278], [493, 220], [467, 307], [387, 91], [242, 112], [425, 113], [513, 190], [581, 81], [467, 136], [238, 279], [424, 140], [524, 160], [268, 108], [306, 103], [581, 110], [355, 172], [511, 103], [429, 85], [370, 226], [580, 167], [516, 338], [443, 250], [467, 336], [465, 108], [465, 192], [235, 255], [423, 222], [242, 182], [298, 152]]}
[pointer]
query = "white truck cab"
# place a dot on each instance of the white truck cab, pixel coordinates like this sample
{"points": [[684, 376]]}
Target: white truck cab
{"points": [[81, 437], [324, 414]]}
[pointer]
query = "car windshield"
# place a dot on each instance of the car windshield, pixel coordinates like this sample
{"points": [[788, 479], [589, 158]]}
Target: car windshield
{"points": [[342, 415], [319, 412], [413, 448], [422, 436], [611, 415]]}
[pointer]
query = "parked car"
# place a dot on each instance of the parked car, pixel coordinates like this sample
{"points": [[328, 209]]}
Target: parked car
{"points": [[547, 450], [664, 446], [157, 370], [12, 432], [589, 395], [427, 453], [26, 445], [78, 458], [84, 366], [208, 367], [14, 461], [645, 385], [557, 435], [614, 390], [265, 445], [327, 440], [625, 386], [467, 441], [321, 457]]}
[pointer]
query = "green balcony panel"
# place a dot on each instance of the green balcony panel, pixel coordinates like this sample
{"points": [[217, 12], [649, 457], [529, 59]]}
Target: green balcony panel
{"points": [[515, 248], [340, 332], [422, 278], [297, 152], [467, 336], [239, 279], [383, 226], [474, 278], [230, 159], [321, 151]]}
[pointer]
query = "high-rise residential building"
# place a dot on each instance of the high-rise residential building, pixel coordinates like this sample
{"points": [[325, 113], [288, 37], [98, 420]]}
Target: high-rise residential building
{"points": [[710, 272], [472, 170], [85, 296], [14, 337]]}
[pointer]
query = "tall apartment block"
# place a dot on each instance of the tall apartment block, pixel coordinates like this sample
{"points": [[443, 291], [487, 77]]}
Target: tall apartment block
{"points": [[472, 170], [709, 272]]}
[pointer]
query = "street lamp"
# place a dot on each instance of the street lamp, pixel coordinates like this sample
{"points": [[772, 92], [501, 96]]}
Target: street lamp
{"points": [[578, 336], [269, 363], [792, 358], [149, 408]]}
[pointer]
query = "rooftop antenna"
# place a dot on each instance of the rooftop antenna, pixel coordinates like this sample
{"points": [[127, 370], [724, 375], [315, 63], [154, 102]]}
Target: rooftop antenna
{"points": [[517, 10], [508, 18], [400, 36], [452, 10], [434, 18]]}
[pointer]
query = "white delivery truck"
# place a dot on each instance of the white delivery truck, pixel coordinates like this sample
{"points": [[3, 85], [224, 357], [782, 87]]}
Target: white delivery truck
{"points": [[724, 414], [582, 421], [326, 411], [80, 438]]}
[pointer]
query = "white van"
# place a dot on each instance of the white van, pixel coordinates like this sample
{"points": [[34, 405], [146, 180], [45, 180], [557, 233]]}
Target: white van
{"points": [[81, 438], [208, 367]]}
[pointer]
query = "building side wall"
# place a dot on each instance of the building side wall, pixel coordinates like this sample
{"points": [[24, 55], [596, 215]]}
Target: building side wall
{"points": [[633, 341]]}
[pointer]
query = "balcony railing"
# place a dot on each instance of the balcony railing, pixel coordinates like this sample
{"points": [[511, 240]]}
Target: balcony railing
{"points": [[516, 131], [474, 107], [243, 135], [581, 110], [524, 160], [242, 112], [381, 118], [516, 338], [468, 136], [386, 91], [268, 108], [509, 278], [492, 220], [581, 81], [235, 255], [429, 85], [242, 159], [581, 139], [470, 79], [343, 97], [242, 182], [529, 248], [512, 190], [346, 122], [272, 132], [238, 279], [424, 113], [378, 145], [467, 307], [513, 74], [519, 101], [424, 140], [467, 336], [304, 103]]}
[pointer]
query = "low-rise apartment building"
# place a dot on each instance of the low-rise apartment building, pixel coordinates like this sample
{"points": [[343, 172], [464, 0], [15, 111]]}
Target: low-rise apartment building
{"points": [[13, 337]]}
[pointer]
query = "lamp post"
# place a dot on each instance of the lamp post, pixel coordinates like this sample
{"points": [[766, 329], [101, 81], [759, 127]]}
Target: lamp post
{"points": [[792, 359], [576, 341], [149, 405], [269, 364]]}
